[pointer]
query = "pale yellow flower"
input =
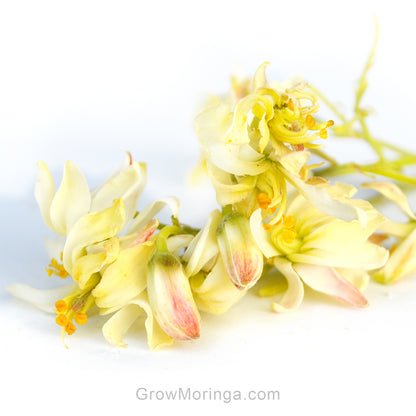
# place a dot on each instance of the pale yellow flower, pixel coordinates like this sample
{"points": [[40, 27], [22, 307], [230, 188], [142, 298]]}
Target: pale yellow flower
{"points": [[319, 249]]}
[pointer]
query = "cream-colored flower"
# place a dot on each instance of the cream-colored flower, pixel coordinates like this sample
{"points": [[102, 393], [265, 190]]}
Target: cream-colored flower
{"points": [[318, 249]]}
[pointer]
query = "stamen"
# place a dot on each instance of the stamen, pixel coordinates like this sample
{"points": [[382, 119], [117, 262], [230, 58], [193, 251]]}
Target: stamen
{"points": [[323, 134], [310, 121], [263, 200], [288, 221], [81, 318], [61, 320], [330, 123], [70, 328], [61, 306], [267, 227], [56, 268], [291, 105]]}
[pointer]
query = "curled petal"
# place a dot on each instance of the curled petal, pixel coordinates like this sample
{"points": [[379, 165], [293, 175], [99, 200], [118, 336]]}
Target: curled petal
{"points": [[293, 297], [394, 193], [92, 228], [151, 210], [215, 293], [128, 185], [118, 325], [72, 199], [204, 246], [328, 281]]}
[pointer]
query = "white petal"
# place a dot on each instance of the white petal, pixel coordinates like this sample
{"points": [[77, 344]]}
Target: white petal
{"points": [[367, 256], [328, 281], [293, 296], [128, 185], [261, 236], [204, 246], [394, 193], [176, 243], [151, 210], [43, 299], [72, 199], [44, 193], [117, 326], [320, 198]]}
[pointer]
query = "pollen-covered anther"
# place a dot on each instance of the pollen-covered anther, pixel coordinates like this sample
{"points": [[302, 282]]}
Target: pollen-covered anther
{"points": [[61, 320], [267, 227], [288, 221], [310, 121], [330, 123], [263, 200], [291, 105], [323, 134], [70, 328], [81, 318], [61, 306]]}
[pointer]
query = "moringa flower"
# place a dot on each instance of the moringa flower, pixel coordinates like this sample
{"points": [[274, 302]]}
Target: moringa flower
{"points": [[73, 199], [242, 258], [171, 298], [319, 249]]}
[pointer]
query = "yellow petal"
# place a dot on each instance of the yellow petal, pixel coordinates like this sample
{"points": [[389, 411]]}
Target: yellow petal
{"points": [[90, 229]]}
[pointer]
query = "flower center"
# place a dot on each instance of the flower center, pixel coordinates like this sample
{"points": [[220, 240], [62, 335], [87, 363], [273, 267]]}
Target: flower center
{"points": [[285, 237]]}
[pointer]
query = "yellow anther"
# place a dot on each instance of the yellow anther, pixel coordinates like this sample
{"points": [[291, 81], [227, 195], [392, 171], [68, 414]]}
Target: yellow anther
{"points": [[393, 248], [61, 320], [272, 210], [288, 235], [267, 227], [81, 318], [330, 123], [291, 105], [310, 121], [323, 134], [298, 147], [61, 306], [70, 328], [57, 269], [49, 271], [263, 200], [288, 221], [62, 256]]}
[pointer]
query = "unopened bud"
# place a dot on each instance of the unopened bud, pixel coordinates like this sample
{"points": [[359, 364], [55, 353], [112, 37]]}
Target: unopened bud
{"points": [[171, 298], [242, 258]]}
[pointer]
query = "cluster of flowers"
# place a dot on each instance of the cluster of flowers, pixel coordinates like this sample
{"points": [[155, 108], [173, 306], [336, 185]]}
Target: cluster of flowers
{"points": [[278, 218]]}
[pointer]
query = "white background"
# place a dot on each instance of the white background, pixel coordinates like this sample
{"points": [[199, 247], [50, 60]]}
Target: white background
{"points": [[88, 80]]}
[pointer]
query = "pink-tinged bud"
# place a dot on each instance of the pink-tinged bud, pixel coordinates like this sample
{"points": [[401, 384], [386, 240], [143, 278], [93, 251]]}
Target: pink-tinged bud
{"points": [[242, 257], [171, 298]]}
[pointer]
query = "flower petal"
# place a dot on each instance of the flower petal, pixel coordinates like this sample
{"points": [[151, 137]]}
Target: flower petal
{"points": [[367, 256], [118, 325], [293, 297], [44, 193], [328, 281], [151, 210], [215, 293], [42, 299], [261, 236], [401, 263], [128, 185], [204, 246], [72, 199], [92, 228], [391, 191], [125, 278]]}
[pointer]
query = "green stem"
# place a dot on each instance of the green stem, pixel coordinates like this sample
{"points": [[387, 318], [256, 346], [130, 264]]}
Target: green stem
{"points": [[161, 242]]}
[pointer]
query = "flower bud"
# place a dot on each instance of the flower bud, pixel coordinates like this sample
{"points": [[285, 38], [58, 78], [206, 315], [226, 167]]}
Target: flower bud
{"points": [[171, 298], [242, 258]]}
